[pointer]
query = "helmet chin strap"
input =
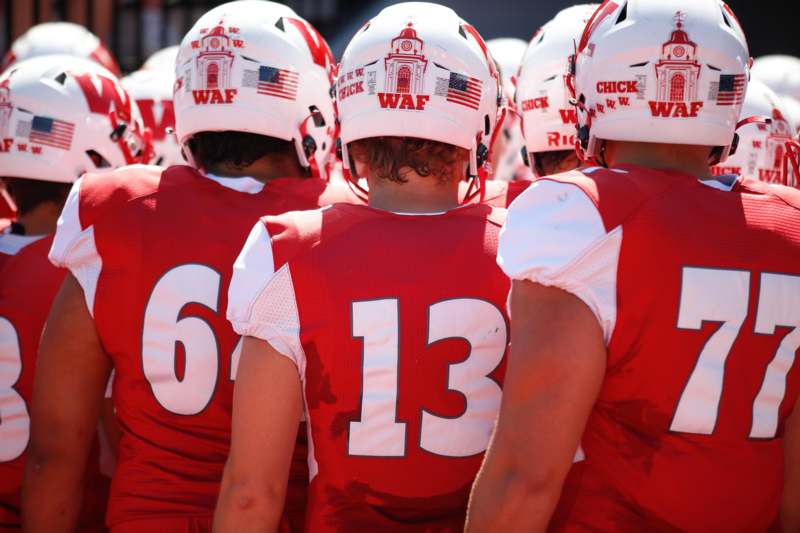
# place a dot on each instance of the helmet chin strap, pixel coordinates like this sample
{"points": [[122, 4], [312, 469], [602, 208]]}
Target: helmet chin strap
{"points": [[350, 174]]}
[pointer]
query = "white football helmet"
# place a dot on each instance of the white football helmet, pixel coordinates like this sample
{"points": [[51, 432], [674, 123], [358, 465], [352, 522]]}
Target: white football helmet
{"points": [[507, 53], [672, 72], [163, 60], [549, 120], [61, 116], [255, 66], [60, 38], [780, 73], [418, 70], [792, 108], [762, 147], [507, 149], [152, 91]]}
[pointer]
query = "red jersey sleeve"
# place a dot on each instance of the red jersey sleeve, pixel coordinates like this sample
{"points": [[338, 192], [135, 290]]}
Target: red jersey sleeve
{"points": [[91, 197]]}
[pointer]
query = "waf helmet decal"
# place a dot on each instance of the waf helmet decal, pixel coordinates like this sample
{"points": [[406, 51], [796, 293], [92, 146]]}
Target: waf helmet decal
{"points": [[677, 76], [210, 81], [405, 67]]}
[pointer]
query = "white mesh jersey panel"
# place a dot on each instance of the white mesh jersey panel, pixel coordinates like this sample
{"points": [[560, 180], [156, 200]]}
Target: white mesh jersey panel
{"points": [[274, 318], [554, 235], [252, 270], [75, 249]]}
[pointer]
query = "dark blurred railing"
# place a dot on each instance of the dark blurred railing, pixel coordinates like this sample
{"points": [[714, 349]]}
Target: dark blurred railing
{"points": [[133, 29]]}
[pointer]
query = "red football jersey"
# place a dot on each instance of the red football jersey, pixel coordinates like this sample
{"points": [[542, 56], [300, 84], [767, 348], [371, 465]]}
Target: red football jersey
{"points": [[697, 287], [397, 326], [502, 193], [28, 284], [153, 249]]}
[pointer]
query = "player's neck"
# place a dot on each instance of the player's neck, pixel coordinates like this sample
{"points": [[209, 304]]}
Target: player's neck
{"points": [[419, 194], [41, 220], [690, 159], [265, 169]]}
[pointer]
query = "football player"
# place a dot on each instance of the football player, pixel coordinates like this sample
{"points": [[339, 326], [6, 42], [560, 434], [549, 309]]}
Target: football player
{"points": [[152, 90], [60, 38], [149, 252], [507, 161], [542, 99], [781, 73], [761, 150], [655, 307], [383, 323], [54, 129]]}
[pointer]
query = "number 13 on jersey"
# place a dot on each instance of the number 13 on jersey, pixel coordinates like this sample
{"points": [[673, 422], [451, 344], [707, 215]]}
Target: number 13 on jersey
{"points": [[378, 433]]}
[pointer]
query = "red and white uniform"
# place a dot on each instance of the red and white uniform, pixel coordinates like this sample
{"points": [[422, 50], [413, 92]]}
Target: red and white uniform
{"points": [[152, 250], [697, 288], [396, 324], [28, 284], [502, 193]]}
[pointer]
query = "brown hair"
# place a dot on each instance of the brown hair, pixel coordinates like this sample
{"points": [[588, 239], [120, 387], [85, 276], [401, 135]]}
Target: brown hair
{"points": [[391, 158]]}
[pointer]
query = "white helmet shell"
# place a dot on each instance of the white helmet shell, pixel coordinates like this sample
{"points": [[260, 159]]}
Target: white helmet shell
{"points": [[152, 91], [781, 73], [792, 108], [163, 59], [418, 70], [762, 147], [60, 38], [255, 66], [549, 121], [672, 72], [61, 116]]}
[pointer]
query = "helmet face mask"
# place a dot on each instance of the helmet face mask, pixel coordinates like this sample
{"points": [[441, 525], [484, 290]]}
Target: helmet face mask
{"points": [[61, 116], [661, 72], [418, 70], [257, 67]]}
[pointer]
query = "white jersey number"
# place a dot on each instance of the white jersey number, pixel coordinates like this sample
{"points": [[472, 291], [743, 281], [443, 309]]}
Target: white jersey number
{"points": [[378, 433], [164, 330], [14, 418], [723, 296]]}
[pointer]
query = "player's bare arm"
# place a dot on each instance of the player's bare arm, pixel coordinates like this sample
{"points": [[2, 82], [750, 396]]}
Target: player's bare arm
{"points": [[555, 371], [267, 404], [71, 376]]}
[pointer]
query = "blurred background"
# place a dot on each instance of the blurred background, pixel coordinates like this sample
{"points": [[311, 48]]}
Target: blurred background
{"points": [[133, 29]]}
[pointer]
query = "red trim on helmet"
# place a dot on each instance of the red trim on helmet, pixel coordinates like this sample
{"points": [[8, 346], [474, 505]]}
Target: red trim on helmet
{"points": [[603, 11], [320, 51], [791, 162], [102, 56]]}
